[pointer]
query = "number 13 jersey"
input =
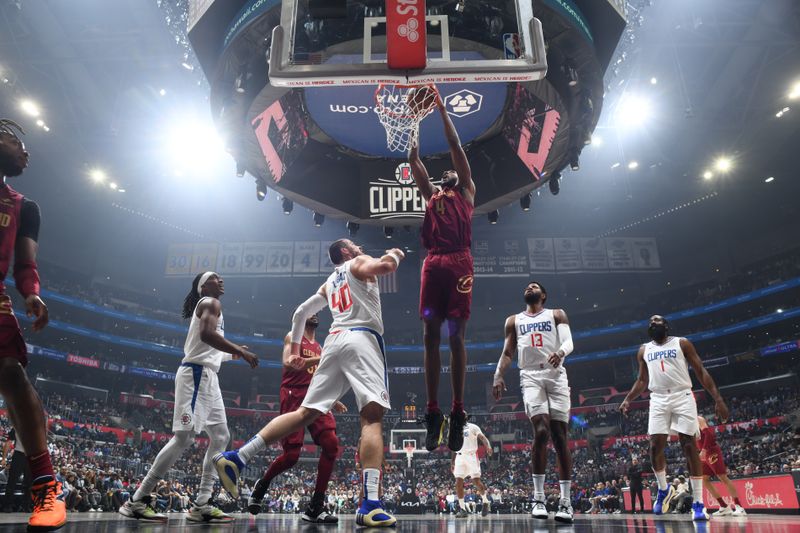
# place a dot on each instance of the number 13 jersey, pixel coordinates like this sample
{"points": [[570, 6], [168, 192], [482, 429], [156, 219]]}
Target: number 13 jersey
{"points": [[353, 303], [537, 338]]}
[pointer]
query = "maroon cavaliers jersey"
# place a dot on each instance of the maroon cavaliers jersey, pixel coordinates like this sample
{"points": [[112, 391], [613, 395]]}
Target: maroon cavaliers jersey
{"points": [[10, 208], [708, 440], [447, 226], [302, 378]]}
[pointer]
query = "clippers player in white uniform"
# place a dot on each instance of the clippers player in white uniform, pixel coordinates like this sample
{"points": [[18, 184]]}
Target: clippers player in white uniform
{"points": [[353, 358], [543, 339], [465, 463], [198, 402], [664, 370]]}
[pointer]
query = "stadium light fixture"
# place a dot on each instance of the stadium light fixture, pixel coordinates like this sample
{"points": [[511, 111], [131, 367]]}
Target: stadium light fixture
{"points": [[162, 92], [794, 92], [240, 170], [596, 140], [525, 202], [782, 112], [555, 183], [352, 228], [633, 165], [723, 164], [261, 189], [653, 80], [388, 231], [319, 219], [196, 148], [769, 179], [287, 205], [633, 110], [97, 175], [493, 216], [707, 175], [113, 186], [30, 107]]}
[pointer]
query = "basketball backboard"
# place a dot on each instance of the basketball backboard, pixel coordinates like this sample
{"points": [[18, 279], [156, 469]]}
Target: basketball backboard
{"points": [[482, 41]]}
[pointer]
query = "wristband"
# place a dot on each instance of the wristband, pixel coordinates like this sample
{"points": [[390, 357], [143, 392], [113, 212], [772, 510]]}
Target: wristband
{"points": [[395, 257]]}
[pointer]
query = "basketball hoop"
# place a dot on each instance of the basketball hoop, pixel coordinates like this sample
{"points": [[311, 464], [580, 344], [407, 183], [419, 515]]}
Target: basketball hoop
{"points": [[400, 113]]}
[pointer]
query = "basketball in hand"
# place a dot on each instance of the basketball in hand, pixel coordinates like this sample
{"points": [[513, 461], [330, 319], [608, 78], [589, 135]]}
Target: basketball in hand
{"points": [[421, 99]]}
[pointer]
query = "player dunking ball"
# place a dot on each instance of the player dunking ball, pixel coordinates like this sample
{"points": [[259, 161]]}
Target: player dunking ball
{"points": [[19, 233], [543, 338], [353, 358], [465, 464], [664, 369], [446, 287], [714, 465], [198, 402], [294, 385]]}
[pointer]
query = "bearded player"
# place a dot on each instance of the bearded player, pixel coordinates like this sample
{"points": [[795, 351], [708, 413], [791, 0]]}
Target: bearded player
{"points": [[19, 232], [543, 339], [353, 358], [294, 385], [446, 286], [664, 369], [714, 465]]}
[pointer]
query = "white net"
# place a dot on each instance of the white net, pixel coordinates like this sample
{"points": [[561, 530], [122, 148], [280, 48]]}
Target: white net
{"points": [[400, 109]]}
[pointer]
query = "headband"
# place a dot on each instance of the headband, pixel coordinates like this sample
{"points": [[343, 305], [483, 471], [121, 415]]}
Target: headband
{"points": [[202, 282]]}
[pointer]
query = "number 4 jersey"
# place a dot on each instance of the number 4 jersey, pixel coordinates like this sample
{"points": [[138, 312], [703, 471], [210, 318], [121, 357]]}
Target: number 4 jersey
{"points": [[537, 338], [353, 303]]}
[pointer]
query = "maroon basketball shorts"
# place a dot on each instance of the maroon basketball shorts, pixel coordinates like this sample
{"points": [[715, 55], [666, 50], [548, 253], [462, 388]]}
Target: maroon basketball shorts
{"points": [[446, 289], [714, 465], [291, 399], [11, 342]]}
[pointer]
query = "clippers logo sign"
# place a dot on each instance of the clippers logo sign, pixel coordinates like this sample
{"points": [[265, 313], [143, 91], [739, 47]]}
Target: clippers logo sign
{"points": [[395, 198]]}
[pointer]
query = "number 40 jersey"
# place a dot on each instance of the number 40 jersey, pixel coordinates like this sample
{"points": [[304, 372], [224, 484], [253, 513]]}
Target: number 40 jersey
{"points": [[353, 303]]}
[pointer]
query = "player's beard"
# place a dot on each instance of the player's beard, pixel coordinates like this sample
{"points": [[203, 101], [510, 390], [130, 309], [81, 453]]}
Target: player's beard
{"points": [[312, 323], [533, 298], [450, 183], [657, 332], [9, 167]]}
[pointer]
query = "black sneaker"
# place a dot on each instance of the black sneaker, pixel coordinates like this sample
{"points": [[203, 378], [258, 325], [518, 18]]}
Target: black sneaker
{"points": [[255, 499], [462, 513], [434, 425], [318, 515], [455, 434]]}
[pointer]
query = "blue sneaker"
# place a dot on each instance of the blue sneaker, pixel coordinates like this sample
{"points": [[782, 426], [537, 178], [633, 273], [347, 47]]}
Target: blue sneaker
{"points": [[658, 507], [229, 467], [371, 514], [699, 512]]}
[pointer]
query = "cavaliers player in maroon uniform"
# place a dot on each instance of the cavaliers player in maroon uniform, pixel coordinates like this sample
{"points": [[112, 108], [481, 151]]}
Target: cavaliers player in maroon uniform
{"points": [[446, 286], [714, 465], [19, 231], [294, 385]]}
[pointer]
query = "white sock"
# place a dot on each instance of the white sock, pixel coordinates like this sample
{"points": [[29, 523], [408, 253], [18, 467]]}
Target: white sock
{"points": [[167, 457], [538, 487], [564, 484], [252, 448], [461, 504], [661, 478], [697, 489], [371, 477]]}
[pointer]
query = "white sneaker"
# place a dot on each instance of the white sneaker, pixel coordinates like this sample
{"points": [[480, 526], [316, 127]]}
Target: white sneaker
{"points": [[539, 510], [208, 513], [564, 513], [725, 511], [739, 511]]}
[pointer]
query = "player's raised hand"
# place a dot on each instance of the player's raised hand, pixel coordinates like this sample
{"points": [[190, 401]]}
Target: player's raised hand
{"points": [[339, 407], [721, 410], [555, 359], [398, 252], [498, 388], [624, 407], [296, 362], [35, 307]]}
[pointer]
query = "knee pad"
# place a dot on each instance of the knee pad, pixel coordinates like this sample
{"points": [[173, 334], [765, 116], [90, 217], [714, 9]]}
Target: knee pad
{"points": [[329, 443]]}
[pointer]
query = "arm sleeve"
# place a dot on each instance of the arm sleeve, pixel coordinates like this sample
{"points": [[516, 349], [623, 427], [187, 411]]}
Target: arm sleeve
{"points": [[30, 219], [565, 334], [313, 305]]}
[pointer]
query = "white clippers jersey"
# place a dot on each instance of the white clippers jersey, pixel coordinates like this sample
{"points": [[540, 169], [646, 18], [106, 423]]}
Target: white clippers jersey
{"points": [[537, 338], [196, 351], [668, 369], [471, 432], [353, 303]]}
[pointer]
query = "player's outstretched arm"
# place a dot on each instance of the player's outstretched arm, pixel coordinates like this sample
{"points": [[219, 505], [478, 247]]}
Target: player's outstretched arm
{"points": [[365, 267], [639, 385], [457, 155], [304, 363], [420, 174], [304, 311], [506, 357], [208, 310], [705, 379]]}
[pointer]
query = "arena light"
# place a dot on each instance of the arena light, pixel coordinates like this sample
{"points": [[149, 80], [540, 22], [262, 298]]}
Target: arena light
{"points": [[794, 92], [195, 149], [287, 205], [633, 110], [769, 179], [779, 310], [525, 202], [723, 164], [707, 175], [782, 112], [319, 219], [113, 186], [574, 161], [40, 123], [633, 165], [261, 189], [30, 107], [352, 228], [388, 231], [615, 165], [493, 216], [555, 183], [162, 92], [240, 170], [97, 175], [596, 140], [653, 80]]}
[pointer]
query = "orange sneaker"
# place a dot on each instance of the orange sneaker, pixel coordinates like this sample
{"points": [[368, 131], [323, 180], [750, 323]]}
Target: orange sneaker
{"points": [[49, 510]]}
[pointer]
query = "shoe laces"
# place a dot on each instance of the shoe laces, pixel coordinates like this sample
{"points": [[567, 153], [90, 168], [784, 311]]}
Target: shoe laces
{"points": [[44, 498]]}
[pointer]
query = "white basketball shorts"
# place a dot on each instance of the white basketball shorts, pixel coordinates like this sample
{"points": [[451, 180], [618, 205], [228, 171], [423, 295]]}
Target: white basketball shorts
{"points": [[198, 399], [673, 413], [546, 393], [351, 359], [467, 465]]}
